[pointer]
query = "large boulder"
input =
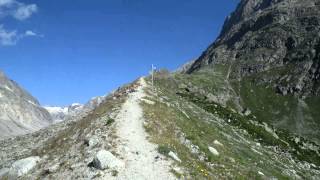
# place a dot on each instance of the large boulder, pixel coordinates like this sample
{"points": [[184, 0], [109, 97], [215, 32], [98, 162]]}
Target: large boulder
{"points": [[106, 160], [23, 166], [4, 173]]}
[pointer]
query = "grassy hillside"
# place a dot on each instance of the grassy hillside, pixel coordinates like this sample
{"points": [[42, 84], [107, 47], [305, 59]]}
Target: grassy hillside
{"points": [[184, 120]]}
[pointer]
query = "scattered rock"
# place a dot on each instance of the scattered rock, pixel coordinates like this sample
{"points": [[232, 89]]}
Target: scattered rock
{"points": [[182, 86], [211, 98], [230, 159], [23, 166], [53, 168], [148, 101], [256, 151], [216, 142], [213, 151], [291, 173], [174, 156], [178, 170], [246, 112], [92, 142], [105, 159]]}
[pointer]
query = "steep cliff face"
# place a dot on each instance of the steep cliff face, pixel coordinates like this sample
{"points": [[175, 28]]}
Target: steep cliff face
{"points": [[262, 35], [269, 55], [20, 113]]}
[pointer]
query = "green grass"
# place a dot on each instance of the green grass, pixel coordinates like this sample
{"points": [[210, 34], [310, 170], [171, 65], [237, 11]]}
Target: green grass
{"points": [[198, 120], [257, 131], [163, 125], [163, 149], [110, 121]]}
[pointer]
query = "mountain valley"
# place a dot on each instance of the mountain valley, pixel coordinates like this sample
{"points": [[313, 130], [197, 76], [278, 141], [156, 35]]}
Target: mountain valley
{"points": [[247, 108]]}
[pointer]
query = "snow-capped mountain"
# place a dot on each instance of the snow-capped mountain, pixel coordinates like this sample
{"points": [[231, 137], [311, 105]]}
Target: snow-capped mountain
{"points": [[59, 114]]}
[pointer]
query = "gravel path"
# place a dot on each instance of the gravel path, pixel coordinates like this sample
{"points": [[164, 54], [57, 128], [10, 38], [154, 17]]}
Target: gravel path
{"points": [[137, 152]]}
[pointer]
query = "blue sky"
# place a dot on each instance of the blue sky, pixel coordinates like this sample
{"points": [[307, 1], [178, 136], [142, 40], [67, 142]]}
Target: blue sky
{"points": [[69, 51]]}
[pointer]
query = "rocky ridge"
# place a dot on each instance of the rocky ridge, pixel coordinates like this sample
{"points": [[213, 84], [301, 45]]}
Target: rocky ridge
{"points": [[269, 48], [20, 113]]}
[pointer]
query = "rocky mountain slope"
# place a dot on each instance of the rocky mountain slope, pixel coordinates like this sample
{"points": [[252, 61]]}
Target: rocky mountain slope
{"points": [[108, 142], [159, 132], [267, 60], [227, 117], [20, 113]]}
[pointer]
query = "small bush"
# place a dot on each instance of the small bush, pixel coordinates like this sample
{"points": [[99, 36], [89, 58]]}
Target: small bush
{"points": [[110, 121], [163, 149], [114, 173]]}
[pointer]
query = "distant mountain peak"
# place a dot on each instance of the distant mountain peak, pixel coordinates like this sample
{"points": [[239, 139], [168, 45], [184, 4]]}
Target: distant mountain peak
{"points": [[59, 114]]}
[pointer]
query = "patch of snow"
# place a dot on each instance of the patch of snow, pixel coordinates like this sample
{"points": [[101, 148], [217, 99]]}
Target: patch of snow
{"points": [[55, 110], [76, 104], [7, 88], [57, 113], [32, 103]]}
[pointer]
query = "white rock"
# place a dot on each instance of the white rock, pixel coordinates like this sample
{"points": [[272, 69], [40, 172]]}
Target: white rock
{"points": [[216, 142], [213, 151], [247, 112], [178, 170], [260, 173], [230, 159], [3, 173], [174, 156], [54, 168], [105, 159], [93, 141], [292, 173], [148, 101], [256, 151], [23, 166]]}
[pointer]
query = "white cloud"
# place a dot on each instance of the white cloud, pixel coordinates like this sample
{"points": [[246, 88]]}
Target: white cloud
{"points": [[16, 9], [11, 37], [6, 2], [25, 11], [8, 38], [30, 33], [19, 11]]}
